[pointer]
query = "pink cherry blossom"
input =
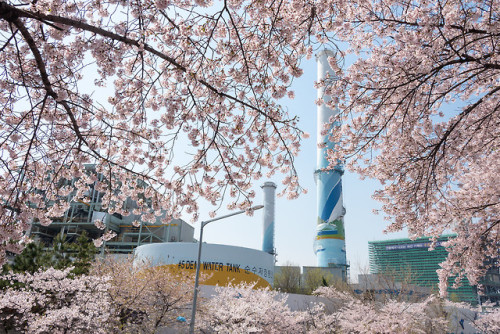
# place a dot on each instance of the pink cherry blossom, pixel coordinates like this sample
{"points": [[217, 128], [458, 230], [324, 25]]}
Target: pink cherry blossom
{"points": [[420, 109], [51, 301], [131, 87]]}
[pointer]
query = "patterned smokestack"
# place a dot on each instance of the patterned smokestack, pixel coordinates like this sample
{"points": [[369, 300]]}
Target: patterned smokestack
{"points": [[329, 245], [268, 241]]}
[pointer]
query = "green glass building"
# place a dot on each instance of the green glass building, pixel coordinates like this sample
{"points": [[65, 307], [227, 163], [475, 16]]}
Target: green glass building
{"points": [[412, 262]]}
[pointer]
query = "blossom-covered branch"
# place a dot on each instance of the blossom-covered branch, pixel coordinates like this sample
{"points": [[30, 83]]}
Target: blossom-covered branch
{"points": [[421, 113], [173, 101]]}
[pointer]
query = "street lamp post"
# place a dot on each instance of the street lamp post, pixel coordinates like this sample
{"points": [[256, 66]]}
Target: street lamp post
{"points": [[198, 262]]}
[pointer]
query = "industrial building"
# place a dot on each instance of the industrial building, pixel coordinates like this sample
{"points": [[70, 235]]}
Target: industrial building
{"points": [[412, 262], [82, 214], [220, 264]]}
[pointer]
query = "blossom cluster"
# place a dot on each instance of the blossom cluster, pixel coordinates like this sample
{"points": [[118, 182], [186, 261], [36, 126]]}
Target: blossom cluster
{"points": [[53, 301], [242, 309], [116, 297], [420, 113], [173, 101]]}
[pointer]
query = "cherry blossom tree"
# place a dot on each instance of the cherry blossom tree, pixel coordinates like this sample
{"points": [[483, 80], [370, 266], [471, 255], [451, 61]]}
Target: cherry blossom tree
{"points": [[489, 321], [52, 301], [144, 298], [421, 113], [116, 297], [419, 107], [354, 315], [242, 309], [173, 101], [110, 300]]}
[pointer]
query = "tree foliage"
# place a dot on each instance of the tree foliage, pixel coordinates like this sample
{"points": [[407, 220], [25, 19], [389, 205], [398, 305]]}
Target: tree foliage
{"points": [[78, 254], [189, 109], [421, 112], [144, 298], [115, 297], [83, 253], [32, 258], [315, 278], [287, 278]]}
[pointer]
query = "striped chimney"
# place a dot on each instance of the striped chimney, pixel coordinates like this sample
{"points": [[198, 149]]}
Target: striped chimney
{"points": [[329, 245]]}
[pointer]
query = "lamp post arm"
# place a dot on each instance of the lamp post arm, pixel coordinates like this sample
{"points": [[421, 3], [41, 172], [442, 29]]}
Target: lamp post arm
{"points": [[206, 222], [198, 262]]}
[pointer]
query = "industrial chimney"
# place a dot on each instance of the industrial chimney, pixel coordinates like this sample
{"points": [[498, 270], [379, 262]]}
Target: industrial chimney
{"points": [[329, 245], [268, 232]]}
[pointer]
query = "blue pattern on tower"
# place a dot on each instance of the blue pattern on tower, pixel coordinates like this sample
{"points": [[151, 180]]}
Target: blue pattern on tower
{"points": [[329, 244]]}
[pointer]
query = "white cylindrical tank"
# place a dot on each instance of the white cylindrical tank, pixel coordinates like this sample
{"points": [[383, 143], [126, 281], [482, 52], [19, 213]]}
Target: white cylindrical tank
{"points": [[269, 189], [220, 264]]}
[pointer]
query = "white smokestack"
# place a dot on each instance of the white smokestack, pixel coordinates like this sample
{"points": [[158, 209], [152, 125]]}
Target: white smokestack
{"points": [[324, 113], [269, 189]]}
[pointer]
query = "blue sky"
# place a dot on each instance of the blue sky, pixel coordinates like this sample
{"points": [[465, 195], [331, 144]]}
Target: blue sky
{"points": [[295, 220]]}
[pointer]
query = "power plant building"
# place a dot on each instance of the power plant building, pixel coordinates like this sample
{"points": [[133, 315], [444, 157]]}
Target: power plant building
{"points": [[82, 214], [171, 245]]}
